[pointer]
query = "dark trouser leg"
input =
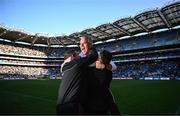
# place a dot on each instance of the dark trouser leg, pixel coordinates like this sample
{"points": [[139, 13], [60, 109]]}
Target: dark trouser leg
{"points": [[114, 109], [67, 109]]}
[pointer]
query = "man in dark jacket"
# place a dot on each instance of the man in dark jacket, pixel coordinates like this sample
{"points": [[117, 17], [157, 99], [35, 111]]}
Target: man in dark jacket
{"points": [[73, 88], [101, 101], [95, 95]]}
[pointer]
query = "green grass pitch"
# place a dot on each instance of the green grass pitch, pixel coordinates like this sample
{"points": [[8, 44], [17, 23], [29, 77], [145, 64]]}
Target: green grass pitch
{"points": [[132, 96]]}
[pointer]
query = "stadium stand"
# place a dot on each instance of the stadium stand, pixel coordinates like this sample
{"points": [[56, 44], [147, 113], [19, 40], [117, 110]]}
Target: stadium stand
{"points": [[145, 46], [29, 62]]}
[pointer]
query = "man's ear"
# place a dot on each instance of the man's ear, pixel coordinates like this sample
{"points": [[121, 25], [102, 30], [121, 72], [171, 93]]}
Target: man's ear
{"points": [[72, 57]]}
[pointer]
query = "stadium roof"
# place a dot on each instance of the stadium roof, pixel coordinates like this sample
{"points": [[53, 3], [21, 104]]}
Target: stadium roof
{"points": [[160, 18]]}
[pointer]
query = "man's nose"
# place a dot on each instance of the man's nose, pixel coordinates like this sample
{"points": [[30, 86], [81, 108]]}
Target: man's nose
{"points": [[81, 45]]}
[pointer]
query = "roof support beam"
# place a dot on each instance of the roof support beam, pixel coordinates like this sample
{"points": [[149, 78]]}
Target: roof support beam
{"points": [[48, 43], [4, 32], [34, 40], [66, 37], [120, 29], [138, 23], [69, 39], [22, 38], [107, 34], [59, 42], [93, 37], [75, 37], [164, 19]]}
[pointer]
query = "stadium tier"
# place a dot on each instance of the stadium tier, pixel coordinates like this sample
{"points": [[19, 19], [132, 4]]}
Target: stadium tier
{"points": [[152, 56], [146, 46]]}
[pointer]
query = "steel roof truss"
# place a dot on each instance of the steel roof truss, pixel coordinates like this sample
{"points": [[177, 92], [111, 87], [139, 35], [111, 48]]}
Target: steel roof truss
{"points": [[4, 32], [142, 26], [121, 30], [164, 19], [21, 38]]}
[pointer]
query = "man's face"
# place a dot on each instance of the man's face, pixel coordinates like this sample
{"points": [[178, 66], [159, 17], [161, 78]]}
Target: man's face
{"points": [[85, 46]]}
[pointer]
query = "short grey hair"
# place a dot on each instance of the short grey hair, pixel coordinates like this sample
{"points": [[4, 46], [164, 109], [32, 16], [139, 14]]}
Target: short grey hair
{"points": [[88, 38]]}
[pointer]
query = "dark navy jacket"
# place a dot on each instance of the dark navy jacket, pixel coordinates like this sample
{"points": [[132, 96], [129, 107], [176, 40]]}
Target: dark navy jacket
{"points": [[73, 87]]}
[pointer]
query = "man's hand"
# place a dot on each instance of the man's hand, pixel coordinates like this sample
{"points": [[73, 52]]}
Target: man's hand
{"points": [[109, 67], [67, 60], [100, 65]]}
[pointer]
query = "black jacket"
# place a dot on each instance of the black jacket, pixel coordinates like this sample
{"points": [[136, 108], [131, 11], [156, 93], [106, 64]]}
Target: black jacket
{"points": [[99, 94], [100, 99], [73, 87]]}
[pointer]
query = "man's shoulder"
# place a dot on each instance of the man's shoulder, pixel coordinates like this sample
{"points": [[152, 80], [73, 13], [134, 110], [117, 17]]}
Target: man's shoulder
{"points": [[69, 65]]}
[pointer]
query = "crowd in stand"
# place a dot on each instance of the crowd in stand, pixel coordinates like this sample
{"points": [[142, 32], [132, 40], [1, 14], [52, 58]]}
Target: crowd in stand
{"points": [[7, 61], [29, 72], [147, 56], [23, 70], [33, 71], [31, 51], [153, 40], [142, 70], [16, 50], [131, 70], [56, 52]]}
